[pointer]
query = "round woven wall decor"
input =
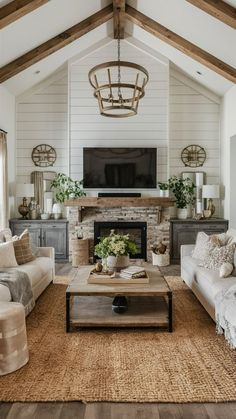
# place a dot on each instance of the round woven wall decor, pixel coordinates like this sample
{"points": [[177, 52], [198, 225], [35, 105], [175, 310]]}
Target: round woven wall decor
{"points": [[193, 156], [43, 155]]}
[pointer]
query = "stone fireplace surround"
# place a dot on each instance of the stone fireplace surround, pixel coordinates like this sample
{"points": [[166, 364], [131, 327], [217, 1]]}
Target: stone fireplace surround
{"points": [[157, 222]]}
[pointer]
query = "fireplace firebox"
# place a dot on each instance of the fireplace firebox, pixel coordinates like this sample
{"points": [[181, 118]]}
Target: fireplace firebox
{"points": [[136, 230]]}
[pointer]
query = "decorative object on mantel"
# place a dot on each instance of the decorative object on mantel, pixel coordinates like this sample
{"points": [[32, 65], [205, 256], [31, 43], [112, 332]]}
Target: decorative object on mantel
{"points": [[44, 155], [24, 190], [193, 156], [210, 192], [183, 190], [116, 98], [116, 249]]}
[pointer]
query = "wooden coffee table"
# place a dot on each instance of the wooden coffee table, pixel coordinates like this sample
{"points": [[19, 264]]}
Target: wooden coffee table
{"points": [[90, 305]]}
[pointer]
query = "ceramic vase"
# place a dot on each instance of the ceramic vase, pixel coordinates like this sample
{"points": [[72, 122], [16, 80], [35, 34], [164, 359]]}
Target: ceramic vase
{"points": [[164, 193], [117, 262], [182, 213]]}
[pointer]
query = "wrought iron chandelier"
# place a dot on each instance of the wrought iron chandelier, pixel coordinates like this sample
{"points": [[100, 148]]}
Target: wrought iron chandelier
{"points": [[116, 98]]}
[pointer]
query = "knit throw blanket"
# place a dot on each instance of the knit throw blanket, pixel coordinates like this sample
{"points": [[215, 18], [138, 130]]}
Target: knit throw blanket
{"points": [[225, 306], [19, 286]]}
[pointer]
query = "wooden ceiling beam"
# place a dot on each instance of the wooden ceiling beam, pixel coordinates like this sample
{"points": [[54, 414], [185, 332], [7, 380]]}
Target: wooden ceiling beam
{"points": [[119, 17], [56, 43], [218, 9], [180, 43], [17, 9]]}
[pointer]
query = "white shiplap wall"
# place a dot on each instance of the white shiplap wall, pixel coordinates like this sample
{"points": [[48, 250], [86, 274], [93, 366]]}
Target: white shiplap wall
{"points": [[42, 118], [89, 129], [194, 119]]}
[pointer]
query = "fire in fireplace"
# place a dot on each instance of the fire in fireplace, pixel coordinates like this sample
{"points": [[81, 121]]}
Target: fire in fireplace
{"points": [[137, 232]]}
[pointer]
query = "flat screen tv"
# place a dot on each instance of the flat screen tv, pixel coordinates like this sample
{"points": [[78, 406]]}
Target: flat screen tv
{"points": [[119, 168]]}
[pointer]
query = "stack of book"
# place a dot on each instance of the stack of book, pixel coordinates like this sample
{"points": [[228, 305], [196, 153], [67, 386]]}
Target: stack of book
{"points": [[133, 272]]}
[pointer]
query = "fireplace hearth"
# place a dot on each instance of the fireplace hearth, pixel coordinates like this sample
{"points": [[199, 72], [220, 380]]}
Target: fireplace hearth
{"points": [[136, 230]]}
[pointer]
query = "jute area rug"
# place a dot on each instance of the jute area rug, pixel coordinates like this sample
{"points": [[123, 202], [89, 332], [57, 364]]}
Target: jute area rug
{"points": [[192, 364]]}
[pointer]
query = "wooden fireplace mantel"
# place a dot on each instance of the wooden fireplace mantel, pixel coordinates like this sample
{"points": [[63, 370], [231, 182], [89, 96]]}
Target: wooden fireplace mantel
{"points": [[90, 201]]}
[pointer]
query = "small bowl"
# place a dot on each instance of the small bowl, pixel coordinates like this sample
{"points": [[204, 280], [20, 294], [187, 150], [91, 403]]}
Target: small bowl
{"points": [[45, 216]]}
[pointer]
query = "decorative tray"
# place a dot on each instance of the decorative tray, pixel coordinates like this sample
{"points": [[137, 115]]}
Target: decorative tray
{"points": [[115, 278]]}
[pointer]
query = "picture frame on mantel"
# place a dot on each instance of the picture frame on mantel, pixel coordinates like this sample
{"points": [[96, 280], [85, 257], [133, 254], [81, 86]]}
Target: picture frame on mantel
{"points": [[199, 179]]}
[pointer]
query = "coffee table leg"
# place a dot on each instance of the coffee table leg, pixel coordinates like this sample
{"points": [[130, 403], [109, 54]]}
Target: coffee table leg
{"points": [[170, 327], [67, 312]]}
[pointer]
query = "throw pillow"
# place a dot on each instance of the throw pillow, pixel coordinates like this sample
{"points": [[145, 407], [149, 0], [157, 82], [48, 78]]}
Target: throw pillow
{"points": [[226, 269], [7, 255], [218, 256], [5, 235], [201, 249], [22, 248]]}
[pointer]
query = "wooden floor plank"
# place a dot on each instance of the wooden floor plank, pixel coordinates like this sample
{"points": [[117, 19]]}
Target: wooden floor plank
{"points": [[73, 410], [134, 411], [98, 411], [221, 410], [22, 411], [170, 411], [48, 410], [4, 409], [194, 411]]}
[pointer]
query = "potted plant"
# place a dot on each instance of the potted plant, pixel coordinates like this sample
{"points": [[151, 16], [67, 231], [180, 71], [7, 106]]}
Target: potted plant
{"points": [[164, 188], [183, 190], [66, 188], [115, 249]]}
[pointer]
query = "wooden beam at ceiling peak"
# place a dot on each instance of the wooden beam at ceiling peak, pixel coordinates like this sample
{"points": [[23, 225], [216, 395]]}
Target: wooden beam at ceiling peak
{"points": [[119, 18], [17, 9], [218, 9], [180, 43], [56, 43]]}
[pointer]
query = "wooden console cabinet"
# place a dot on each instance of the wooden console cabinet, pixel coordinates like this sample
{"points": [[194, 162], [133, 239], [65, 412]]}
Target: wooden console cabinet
{"points": [[185, 232], [45, 233]]}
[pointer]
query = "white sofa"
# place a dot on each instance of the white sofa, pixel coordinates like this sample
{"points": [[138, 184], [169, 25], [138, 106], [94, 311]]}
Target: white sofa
{"points": [[204, 283], [40, 271]]}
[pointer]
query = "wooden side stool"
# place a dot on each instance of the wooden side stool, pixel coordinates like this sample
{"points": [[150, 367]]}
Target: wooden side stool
{"points": [[13, 339]]}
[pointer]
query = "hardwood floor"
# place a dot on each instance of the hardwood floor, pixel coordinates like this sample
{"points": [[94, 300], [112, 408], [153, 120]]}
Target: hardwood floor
{"points": [[78, 410]]}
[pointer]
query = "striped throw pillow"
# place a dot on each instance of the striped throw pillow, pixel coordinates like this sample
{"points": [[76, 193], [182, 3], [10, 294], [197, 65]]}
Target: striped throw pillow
{"points": [[23, 252]]}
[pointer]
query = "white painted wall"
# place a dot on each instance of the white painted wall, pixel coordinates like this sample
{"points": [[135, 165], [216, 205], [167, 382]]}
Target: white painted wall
{"points": [[42, 119], [228, 131], [89, 129], [7, 123]]}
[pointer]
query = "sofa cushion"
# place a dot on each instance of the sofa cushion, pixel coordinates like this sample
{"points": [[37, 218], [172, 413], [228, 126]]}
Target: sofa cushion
{"points": [[7, 255], [22, 248], [226, 269], [201, 248], [219, 255], [37, 268], [5, 235], [206, 280]]}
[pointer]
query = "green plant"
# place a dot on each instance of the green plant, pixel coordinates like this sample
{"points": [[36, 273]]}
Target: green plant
{"points": [[183, 190], [115, 245], [66, 188], [164, 186]]}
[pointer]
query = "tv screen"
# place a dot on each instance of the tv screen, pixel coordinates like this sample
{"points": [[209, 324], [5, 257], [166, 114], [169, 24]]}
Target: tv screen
{"points": [[119, 167]]}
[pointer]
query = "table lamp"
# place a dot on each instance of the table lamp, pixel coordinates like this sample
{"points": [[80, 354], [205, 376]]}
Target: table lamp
{"points": [[210, 192], [24, 190]]}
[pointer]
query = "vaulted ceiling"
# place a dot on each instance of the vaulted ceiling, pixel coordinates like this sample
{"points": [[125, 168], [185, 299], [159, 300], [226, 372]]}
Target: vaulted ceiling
{"points": [[206, 27]]}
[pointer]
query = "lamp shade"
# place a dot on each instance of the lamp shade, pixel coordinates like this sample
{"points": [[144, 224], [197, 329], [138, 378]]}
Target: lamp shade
{"points": [[25, 190], [210, 191]]}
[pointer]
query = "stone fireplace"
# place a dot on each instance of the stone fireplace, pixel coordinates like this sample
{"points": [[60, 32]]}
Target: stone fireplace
{"points": [[137, 232], [157, 222]]}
